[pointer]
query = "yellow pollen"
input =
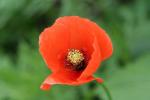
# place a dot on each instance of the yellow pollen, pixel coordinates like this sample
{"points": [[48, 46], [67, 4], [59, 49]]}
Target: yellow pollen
{"points": [[75, 57]]}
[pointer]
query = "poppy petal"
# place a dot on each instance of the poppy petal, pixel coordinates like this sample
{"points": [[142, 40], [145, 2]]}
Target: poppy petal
{"points": [[104, 41], [52, 45], [66, 33], [79, 34], [82, 37], [94, 62], [73, 32], [85, 26], [53, 79]]}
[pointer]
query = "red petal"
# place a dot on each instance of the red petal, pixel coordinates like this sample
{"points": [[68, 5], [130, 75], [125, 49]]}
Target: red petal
{"points": [[104, 41], [55, 79], [54, 41], [94, 62], [66, 33], [86, 26], [80, 35]]}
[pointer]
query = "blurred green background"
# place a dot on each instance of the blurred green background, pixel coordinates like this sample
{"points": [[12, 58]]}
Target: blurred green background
{"points": [[22, 69]]}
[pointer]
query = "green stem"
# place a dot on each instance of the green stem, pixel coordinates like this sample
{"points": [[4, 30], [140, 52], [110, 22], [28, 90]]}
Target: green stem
{"points": [[107, 91]]}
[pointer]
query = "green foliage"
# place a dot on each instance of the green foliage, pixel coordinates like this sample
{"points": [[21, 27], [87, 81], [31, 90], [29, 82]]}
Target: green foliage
{"points": [[22, 69], [132, 82]]}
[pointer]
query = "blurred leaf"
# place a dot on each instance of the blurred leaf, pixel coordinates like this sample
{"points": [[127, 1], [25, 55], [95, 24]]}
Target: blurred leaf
{"points": [[74, 7], [37, 7], [8, 9], [136, 26], [132, 82]]}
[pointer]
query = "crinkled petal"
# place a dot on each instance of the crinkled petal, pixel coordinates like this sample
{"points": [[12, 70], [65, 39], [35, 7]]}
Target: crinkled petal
{"points": [[104, 41], [72, 32], [66, 33], [93, 63], [86, 26], [80, 35], [53, 43], [53, 79]]}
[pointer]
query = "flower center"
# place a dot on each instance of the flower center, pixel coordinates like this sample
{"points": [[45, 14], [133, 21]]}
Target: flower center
{"points": [[75, 57]]}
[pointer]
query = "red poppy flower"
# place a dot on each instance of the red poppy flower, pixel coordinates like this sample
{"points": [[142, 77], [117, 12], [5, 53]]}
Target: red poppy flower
{"points": [[73, 49]]}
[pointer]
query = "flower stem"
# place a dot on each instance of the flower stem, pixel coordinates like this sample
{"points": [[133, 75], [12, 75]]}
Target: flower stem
{"points": [[107, 91]]}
